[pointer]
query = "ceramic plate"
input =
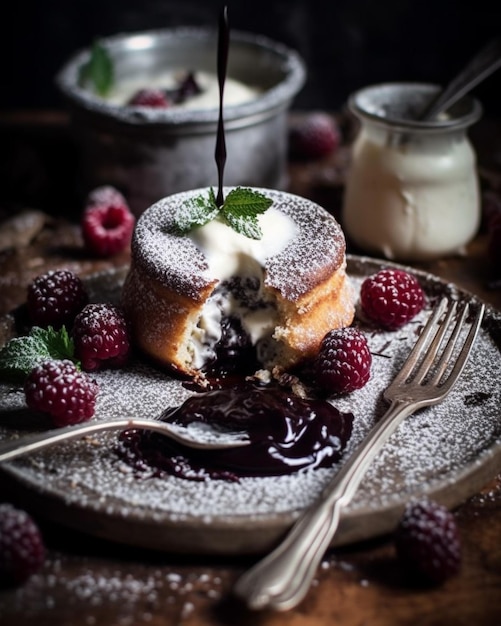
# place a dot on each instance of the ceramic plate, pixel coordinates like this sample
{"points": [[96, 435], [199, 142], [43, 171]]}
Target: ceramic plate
{"points": [[447, 452]]}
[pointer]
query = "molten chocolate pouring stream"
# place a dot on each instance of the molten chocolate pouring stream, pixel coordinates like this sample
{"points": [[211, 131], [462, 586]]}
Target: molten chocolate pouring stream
{"points": [[222, 61]]}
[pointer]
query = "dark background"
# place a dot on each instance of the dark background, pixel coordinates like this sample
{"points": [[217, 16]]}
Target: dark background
{"points": [[346, 43]]}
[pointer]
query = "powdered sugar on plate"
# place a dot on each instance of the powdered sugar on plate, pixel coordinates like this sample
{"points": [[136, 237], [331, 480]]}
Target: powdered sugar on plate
{"points": [[444, 451]]}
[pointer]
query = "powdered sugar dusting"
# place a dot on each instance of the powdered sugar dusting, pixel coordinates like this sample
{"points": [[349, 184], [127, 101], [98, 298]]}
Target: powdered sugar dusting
{"points": [[175, 592], [314, 254], [430, 451]]}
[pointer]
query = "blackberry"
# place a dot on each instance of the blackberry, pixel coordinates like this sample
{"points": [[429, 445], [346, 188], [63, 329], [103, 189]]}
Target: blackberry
{"points": [[188, 88]]}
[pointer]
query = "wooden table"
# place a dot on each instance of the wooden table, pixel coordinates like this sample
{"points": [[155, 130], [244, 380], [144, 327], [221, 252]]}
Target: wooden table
{"points": [[87, 581]]}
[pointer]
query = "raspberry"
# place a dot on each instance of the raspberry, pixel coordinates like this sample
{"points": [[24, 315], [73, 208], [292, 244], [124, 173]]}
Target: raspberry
{"points": [[101, 337], [107, 226], [155, 98], [494, 244], [343, 362], [313, 137], [22, 551], [427, 541], [59, 389], [106, 194], [55, 298], [391, 298]]}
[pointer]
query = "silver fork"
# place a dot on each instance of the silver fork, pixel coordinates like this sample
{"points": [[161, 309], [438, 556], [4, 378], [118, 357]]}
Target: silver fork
{"points": [[282, 578], [15, 448]]}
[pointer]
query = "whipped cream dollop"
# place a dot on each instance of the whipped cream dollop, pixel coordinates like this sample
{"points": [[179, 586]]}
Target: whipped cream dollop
{"points": [[235, 92], [230, 254]]}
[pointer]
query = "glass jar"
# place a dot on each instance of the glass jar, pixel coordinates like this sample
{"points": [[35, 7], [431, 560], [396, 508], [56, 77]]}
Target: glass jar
{"points": [[412, 190]]}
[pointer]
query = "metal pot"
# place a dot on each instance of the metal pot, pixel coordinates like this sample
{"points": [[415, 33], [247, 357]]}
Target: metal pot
{"points": [[151, 153]]}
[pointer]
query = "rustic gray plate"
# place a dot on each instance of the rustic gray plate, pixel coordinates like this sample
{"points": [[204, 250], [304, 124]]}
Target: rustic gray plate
{"points": [[447, 452]]}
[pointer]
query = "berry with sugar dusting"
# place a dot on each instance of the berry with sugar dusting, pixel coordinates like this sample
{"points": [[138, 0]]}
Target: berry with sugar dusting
{"points": [[105, 194], [62, 391], [107, 226], [343, 362], [55, 298], [154, 98], [427, 542], [494, 244], [315, 136], [101, 337], [22, 550], [391, 298]]}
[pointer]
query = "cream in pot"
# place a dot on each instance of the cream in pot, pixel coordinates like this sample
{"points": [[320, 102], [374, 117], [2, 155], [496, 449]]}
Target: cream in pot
{"points": [[235, 91]]}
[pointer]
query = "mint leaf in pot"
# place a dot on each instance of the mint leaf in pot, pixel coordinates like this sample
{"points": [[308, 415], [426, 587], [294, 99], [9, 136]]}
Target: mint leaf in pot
{"points": [[21, 354], [239, 210], [98, 71]]}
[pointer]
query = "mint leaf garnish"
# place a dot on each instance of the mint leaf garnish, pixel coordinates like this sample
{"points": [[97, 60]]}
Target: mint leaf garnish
{"points": [[196, 212], [239, 210], [247, 226], [21, 354], [98, 70]]}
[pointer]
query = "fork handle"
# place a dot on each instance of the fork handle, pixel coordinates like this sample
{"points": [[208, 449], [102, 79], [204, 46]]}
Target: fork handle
{"points": [[282, 578]]}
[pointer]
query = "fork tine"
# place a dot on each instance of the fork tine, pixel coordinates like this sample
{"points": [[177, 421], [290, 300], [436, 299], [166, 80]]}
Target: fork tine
{"points": [[434, 347], [443, 361], [465, 351], [420, 344]]}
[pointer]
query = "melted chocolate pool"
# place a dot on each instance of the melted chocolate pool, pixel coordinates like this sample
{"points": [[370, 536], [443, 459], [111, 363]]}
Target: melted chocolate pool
{"points": [[287, 434]]}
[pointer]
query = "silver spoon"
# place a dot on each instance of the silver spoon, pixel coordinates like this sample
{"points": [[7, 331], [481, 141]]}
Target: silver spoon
{"points": [[483, 64], [15, 448]]}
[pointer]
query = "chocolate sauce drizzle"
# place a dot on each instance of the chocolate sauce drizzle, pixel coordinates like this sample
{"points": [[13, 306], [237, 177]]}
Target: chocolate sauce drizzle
{"points": [[222, 63], [287, 434]]}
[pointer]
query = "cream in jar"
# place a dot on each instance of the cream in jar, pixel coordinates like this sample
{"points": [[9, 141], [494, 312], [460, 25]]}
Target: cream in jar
{"points": [[412, 190]]}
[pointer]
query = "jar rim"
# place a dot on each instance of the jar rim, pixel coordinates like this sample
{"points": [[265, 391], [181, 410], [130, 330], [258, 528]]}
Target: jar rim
{"points": [[398, 104]]}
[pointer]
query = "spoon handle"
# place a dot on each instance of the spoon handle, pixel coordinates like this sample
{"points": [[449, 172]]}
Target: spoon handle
{"points": [[480, 67], [21, 446], [15, 448]]}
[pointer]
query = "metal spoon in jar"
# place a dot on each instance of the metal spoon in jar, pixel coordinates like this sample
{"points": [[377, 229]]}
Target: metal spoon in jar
{"points": [[483, 64], [21, 446]]}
